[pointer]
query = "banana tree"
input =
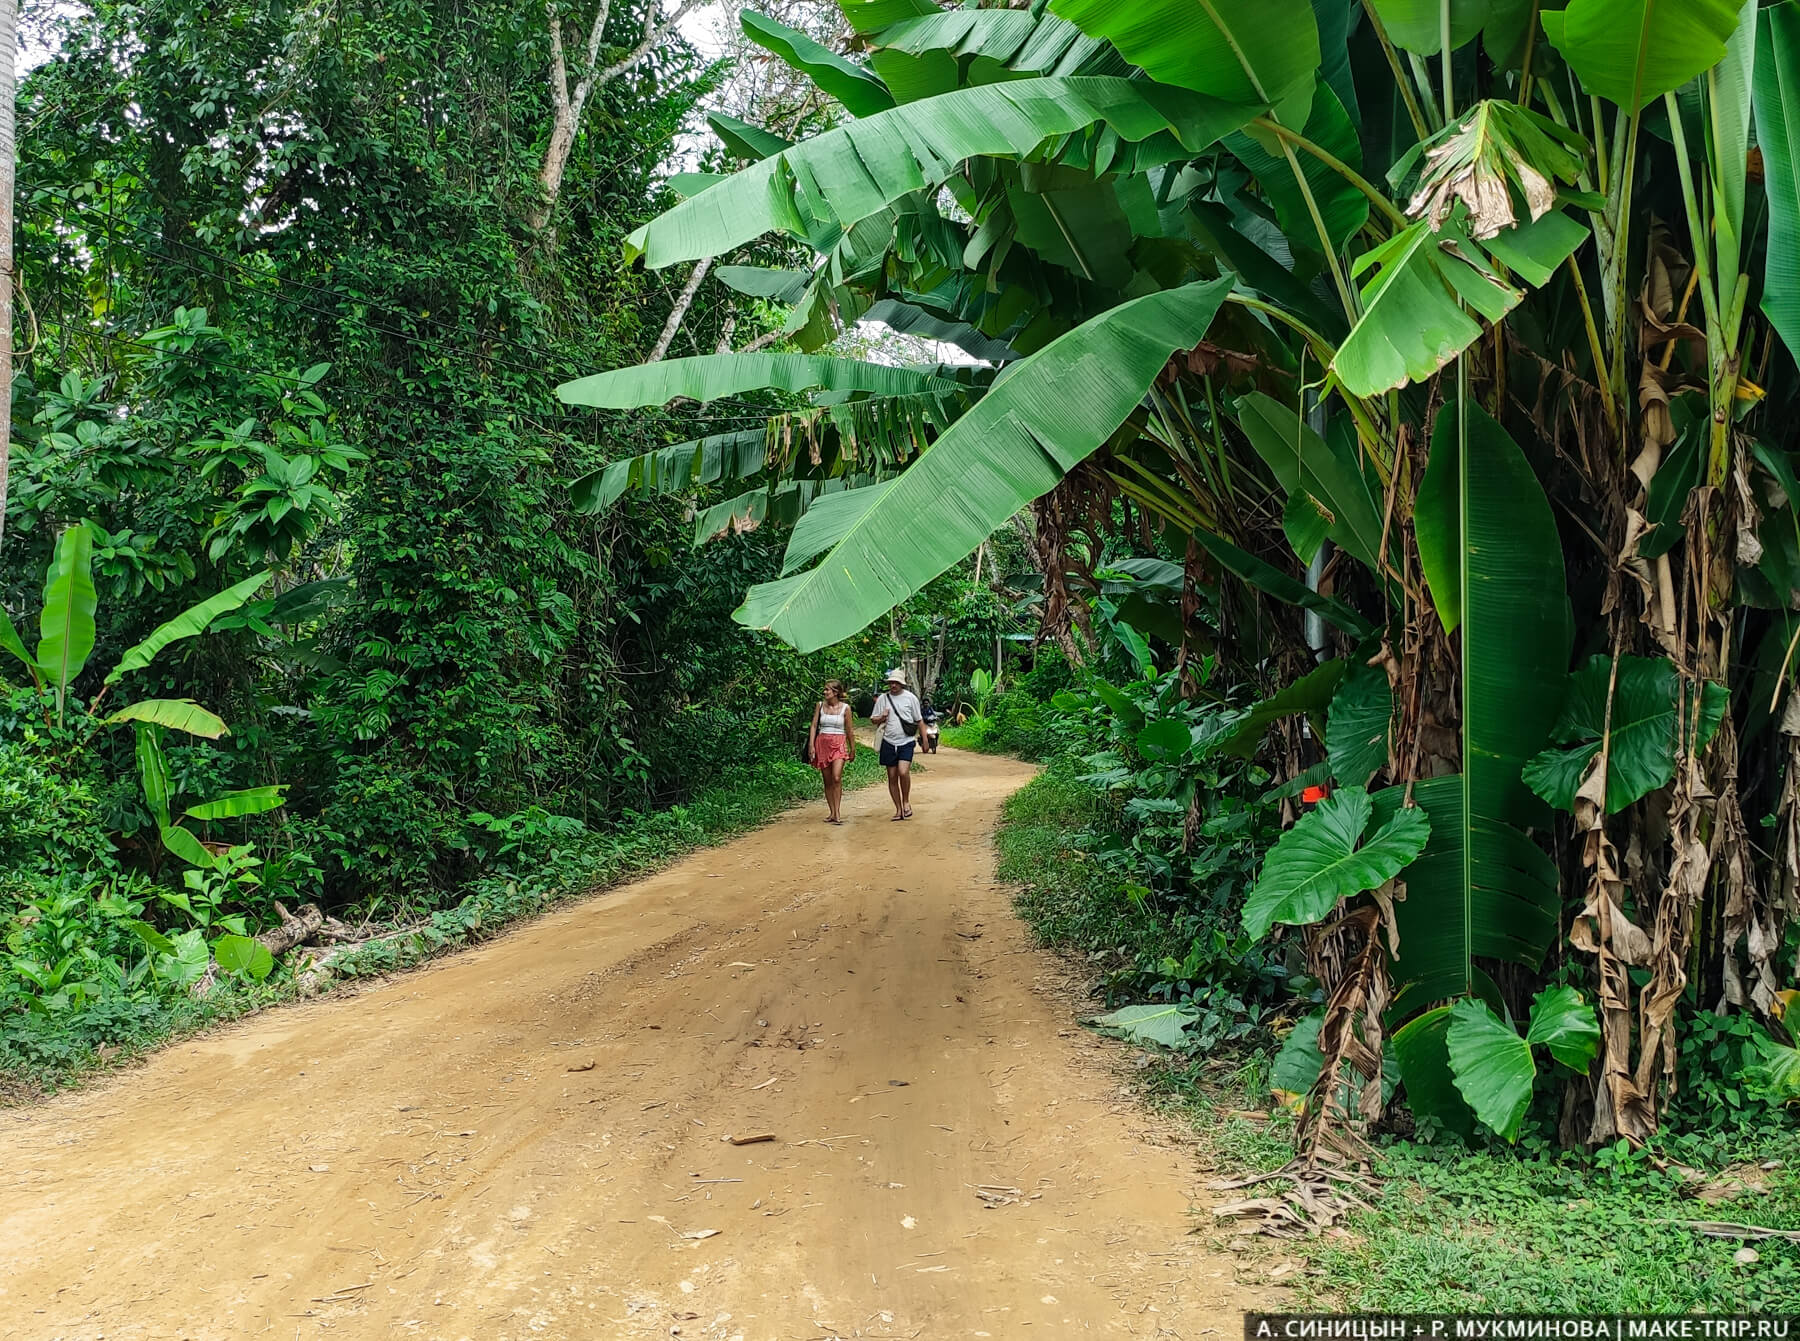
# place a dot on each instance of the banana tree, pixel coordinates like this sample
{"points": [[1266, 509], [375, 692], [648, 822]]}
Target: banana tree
{"points": [[66, 635], [1351, 301]]}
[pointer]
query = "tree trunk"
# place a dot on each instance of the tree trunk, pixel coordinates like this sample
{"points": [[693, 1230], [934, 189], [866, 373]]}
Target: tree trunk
{"points": [[9, 52], [295, 928], [684, 301]]}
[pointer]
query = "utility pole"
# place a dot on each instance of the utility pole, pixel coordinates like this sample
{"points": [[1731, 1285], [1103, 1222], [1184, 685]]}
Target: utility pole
{"points": [[9, 59]]}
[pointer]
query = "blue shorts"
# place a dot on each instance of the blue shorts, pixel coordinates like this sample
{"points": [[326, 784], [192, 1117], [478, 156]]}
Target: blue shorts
{"points": [[892, 754]]}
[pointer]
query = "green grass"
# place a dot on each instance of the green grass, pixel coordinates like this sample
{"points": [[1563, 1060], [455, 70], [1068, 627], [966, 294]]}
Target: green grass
{"points": [[1067, 898], [1453, 1229], [39, 1054]]}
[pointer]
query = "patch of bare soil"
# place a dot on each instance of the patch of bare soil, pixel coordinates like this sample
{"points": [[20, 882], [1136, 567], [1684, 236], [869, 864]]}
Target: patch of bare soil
{"points": [[802, 1086]]}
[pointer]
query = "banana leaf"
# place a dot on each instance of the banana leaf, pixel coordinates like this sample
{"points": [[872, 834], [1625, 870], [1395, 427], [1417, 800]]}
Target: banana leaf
{"points": [[1414, 25], [743, 140], [1244, 51], [1271, 581], [1310, 694], [1414, 319], [934, 53], [1777, 99], [1306, 464], [245, 801], [673, 469], [1632, 51], [910, 319], [66, 622], [1493, 561], [153, 771], [180, 714], [829, 521], [786, 287], [1046, 415], [1479, 888], [858, 89], [190, 623], [1342, 207], [709, 376], [858, 169]]}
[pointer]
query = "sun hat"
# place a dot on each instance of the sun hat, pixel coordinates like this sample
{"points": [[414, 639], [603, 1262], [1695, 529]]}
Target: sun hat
{"points": [[896, 676]]}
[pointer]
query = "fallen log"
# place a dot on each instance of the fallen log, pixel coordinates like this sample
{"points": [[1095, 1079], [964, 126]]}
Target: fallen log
{"points": [[295, 928]]}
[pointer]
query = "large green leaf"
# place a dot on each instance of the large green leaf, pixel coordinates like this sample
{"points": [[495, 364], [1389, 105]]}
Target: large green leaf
{"points": [[1165, 740], [709, 376], [1630, 51], [1046, 415], [1319, 860], [1424, 1063], [1164, 1024], [1729, 85], [243, 955], [1417, 310], [1271, 581], [153, 771], [857, 88], [922, 57], [1777, 99], [11, 642], [1564, 1025], [828, 521], [674, 469], [1511, 606], [1643, 743], [742, 140], [858, 169], [786, 287], [911, 319], [1492, 1063], [179, 714], [1305, 463], [246, 801], [66, 623], [1356, 729], [1480, 888], [1415, 25], [1492, 1066], [191, 622], [1311, 693], [1244, 51], [184, 845]]}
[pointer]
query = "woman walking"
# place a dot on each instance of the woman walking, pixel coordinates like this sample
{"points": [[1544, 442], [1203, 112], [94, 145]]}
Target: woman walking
{"points": [[833, 745]]}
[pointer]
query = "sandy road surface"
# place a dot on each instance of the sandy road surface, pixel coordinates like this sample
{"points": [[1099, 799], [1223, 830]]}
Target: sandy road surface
{"points": [[527, 1140]]}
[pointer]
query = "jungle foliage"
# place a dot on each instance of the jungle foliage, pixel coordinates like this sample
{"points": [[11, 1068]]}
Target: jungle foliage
{"points": [[300, 609], [1434, 364]]}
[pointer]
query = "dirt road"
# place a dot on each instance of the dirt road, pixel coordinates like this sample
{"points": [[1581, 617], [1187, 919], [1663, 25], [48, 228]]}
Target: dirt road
{"points": [[531, 1139]]}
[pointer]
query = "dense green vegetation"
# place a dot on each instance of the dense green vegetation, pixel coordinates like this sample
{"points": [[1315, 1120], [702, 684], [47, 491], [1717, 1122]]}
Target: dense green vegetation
{"points": [[297, 299], [1450, 1228], [1403, 389], [1351, 441]]}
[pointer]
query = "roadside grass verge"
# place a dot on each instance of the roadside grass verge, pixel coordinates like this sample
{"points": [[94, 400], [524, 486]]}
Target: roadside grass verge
{"points": [[1491, 1228], [43, 1053], [1066, 897]]}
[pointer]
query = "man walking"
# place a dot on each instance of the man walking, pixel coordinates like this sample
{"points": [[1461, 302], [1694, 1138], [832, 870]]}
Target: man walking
{"points": [[898, 714]]}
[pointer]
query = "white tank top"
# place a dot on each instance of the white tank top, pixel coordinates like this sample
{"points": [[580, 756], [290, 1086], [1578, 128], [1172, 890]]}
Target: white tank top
{"points": [[831, 723]]}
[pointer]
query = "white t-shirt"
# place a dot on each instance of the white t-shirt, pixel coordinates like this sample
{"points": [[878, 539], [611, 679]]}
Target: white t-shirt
{"points": [[903, 706]]}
